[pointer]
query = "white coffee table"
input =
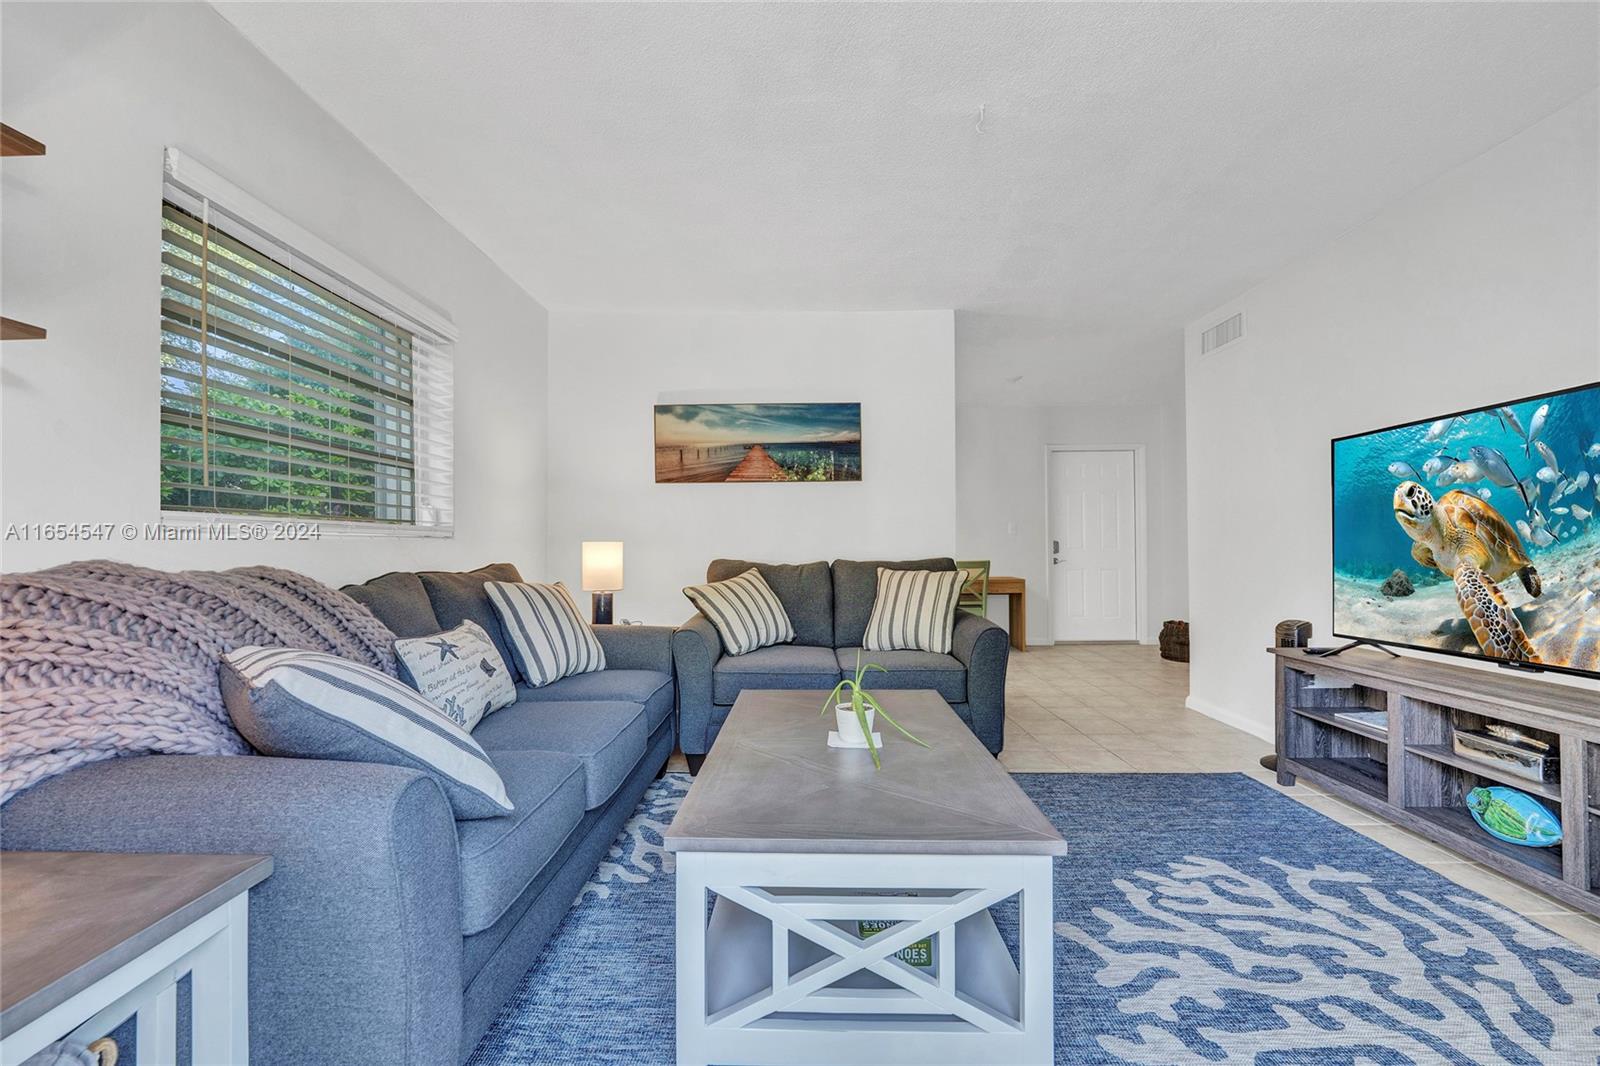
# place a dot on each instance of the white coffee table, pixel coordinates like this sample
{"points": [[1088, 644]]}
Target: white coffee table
{"points": [[798, 843]]}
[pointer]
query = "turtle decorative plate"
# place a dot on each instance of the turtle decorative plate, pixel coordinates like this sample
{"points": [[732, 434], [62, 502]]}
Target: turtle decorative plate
{"points": [[1515, 817]]}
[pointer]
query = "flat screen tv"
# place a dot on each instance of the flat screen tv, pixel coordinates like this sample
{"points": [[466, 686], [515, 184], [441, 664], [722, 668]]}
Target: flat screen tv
{"points": [[1475, 533]]}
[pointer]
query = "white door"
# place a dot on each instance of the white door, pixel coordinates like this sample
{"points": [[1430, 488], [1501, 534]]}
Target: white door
{"points": [[1093, 557]]}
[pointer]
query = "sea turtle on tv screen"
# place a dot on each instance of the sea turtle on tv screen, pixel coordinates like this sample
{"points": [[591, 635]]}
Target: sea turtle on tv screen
{"points": [[1466, 539]]}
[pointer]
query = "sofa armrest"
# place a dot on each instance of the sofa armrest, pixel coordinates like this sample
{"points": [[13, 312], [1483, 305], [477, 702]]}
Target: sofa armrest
{"points": [[696, 647], [355, 939], [637, 647], [984, 649], [699, 629]]}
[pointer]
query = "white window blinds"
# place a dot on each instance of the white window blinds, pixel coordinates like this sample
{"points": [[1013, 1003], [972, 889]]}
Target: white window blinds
{"points": [[289, 391]]}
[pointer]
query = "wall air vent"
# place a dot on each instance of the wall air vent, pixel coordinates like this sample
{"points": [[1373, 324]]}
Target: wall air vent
{"points": [[1225, 332]]}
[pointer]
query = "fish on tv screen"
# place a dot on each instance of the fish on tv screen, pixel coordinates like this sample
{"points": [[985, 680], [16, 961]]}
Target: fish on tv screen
{"points": [[1475, 534]]}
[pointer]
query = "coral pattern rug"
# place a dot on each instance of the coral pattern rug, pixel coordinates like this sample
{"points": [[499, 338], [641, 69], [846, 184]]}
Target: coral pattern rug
{"points": [[1200, 918]]}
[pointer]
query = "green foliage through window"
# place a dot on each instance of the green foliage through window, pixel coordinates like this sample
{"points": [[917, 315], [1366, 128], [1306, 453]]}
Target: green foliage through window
{"points": [[278, 396]]}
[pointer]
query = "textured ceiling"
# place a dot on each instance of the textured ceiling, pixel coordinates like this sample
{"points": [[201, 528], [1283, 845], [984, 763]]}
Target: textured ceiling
{"points": [[1136, 164]]}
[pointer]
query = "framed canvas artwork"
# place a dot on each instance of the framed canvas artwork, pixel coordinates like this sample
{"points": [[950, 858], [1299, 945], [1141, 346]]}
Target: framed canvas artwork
{"points": [[736, 442]]}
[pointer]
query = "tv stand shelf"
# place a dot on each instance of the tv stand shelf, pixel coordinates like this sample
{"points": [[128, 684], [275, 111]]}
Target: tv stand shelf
{"points": [[1331, 718], [1411, 774], [1443, 753]]}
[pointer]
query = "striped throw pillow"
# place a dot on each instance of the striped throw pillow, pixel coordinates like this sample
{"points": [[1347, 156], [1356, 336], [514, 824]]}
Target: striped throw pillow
{"points": [[548, 637], [745, 610], [311, 705], [915, 610]]}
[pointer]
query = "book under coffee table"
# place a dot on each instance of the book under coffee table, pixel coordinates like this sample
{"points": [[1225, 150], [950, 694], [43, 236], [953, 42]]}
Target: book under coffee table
{"points": [[810, 854]]}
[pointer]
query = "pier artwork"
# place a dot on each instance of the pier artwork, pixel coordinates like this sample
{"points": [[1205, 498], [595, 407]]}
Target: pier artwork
{"points": [[703, 443], [757, 465]]}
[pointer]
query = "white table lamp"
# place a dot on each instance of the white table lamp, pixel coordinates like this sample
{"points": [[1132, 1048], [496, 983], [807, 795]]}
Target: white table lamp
{"points": [[602, 575]]}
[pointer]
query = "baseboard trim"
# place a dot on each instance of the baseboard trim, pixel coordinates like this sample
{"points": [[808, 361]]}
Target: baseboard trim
{"points": [[1230, 717]]}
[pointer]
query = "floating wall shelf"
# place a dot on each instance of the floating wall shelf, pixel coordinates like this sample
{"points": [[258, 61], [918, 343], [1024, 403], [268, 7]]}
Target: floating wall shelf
{"points": [[12, 330], [15, 142]]}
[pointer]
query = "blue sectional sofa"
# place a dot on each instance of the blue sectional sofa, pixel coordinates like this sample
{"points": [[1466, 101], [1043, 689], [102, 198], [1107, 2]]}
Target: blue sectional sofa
{"points": [[829, 606], [389, 932]]}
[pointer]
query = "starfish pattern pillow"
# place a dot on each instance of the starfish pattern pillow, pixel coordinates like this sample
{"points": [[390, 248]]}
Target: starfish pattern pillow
{"points": [[459, 671]]}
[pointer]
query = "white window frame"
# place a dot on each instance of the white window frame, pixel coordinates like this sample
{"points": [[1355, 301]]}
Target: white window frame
{"points": [[198, 188]]}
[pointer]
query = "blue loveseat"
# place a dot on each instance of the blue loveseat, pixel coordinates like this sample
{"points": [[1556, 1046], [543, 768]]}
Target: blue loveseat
{"points": [[388, 932], [829, 606]]}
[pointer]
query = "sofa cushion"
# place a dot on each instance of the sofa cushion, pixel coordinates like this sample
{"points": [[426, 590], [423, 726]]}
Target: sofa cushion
{"points": [[311, 705], [499, 857], [804, 589], [780, 666], [609, 736], [855, 589], [399, 601], [652, 688], [459, 597], [945, 674]]}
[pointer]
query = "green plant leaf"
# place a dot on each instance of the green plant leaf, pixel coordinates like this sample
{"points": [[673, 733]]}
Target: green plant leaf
{"points": [[833, 697], [866, 731]]}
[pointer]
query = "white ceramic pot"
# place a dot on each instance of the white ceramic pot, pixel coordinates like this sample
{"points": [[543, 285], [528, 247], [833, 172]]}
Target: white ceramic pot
{"points": [[850, 725]]}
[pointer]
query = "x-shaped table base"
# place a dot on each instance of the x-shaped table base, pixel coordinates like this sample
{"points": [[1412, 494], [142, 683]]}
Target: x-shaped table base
{"points": [[779, 973]]}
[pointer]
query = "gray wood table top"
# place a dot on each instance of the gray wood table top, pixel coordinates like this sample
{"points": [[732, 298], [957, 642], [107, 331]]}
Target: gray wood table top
{"points": [[69, 918], [771, 783], [1577, 702]]}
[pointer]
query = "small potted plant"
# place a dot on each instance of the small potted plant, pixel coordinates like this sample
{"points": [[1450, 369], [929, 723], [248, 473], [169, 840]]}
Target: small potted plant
{"points": [[856, 716]]}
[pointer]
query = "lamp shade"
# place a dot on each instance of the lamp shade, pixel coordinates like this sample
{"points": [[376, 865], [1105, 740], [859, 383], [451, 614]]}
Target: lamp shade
{"points": [[602, 565]]}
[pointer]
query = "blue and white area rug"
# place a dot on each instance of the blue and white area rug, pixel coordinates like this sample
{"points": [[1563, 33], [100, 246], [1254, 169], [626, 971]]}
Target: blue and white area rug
{"points": [[1201, 918]]}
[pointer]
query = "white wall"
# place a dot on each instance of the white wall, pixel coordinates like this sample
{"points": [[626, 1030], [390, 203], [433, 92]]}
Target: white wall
{"points": [[107, 87], [1001, 487], [1479, 287], [608, 370]]}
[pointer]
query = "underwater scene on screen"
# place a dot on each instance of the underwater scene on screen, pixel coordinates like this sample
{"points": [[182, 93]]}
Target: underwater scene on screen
{"points": [[1475, 534]]}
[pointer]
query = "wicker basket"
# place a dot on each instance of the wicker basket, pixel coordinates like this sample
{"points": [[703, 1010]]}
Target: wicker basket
{"points": [[1175, 641]]}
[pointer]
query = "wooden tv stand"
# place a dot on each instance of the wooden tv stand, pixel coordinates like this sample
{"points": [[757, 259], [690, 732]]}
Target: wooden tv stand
{"points": [[1410, 774]]}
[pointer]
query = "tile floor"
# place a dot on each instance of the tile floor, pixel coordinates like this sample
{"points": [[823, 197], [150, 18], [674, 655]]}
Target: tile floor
{"points": [[1118, 708]]}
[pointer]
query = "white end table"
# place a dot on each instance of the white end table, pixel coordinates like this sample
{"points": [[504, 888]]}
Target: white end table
{"points": [[91, 938]]}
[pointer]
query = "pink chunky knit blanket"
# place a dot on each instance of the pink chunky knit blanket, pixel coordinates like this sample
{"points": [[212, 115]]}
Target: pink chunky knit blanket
{"points": [[100, 659]]}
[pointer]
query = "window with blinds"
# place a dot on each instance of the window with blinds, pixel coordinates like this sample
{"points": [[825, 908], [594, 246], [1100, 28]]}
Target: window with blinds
{"points": [[280, 396]]}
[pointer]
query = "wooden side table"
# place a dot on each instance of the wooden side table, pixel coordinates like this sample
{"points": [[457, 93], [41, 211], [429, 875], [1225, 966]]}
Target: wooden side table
{"points": [[1015, 590], [90, 938]]}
